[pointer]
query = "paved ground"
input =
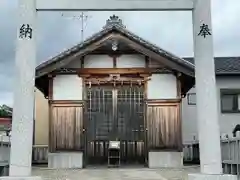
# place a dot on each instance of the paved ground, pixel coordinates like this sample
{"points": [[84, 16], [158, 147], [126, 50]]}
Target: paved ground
{"points": [[115, 174]]}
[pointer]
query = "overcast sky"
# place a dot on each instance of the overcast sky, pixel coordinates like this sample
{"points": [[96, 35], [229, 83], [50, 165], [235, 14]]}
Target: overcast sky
{"points": [[170, 30]]}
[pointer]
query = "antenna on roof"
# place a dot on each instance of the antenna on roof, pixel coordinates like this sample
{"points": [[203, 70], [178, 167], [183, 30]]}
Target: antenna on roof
{"points": [[83, 17]]}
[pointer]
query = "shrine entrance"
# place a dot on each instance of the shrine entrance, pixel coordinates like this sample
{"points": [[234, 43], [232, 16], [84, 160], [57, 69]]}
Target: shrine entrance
{"points": [[115, 112]]}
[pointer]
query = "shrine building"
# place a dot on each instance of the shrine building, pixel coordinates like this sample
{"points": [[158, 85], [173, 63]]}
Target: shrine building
{"points": [[115, 86]]}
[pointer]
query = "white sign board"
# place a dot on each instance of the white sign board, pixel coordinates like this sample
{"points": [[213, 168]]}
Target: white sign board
{"points": [[114, 5], [114, 145]]}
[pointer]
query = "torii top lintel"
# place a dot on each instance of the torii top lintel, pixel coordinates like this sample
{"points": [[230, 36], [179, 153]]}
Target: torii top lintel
{"points": [[115, 5]]}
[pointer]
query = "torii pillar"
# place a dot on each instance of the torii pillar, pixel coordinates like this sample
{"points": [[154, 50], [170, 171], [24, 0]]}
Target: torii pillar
{"points": [[25, 62], [206, 91], [207, 106]]}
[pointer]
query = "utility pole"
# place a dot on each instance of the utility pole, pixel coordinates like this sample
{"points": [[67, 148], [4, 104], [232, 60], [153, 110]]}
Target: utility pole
{"points": [[83, 17]]}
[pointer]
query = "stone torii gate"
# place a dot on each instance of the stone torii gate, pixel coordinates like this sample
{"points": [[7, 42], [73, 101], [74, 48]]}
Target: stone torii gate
{"points": [[207, 106]]}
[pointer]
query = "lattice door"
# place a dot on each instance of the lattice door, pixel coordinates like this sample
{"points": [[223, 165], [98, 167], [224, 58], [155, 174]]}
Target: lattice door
{"points": [[115, 113]]}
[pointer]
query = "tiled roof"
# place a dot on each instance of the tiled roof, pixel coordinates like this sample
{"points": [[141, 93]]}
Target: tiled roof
{"points": [[224, 65], [112, 25]]}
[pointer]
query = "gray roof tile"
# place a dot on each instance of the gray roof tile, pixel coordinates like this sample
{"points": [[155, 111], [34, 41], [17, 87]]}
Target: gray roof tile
{"points": [[224, 65]]}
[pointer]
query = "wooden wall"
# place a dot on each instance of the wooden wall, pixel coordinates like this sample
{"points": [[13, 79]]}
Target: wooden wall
{"points": [[162, 116], [164, 125], [66, 124]]}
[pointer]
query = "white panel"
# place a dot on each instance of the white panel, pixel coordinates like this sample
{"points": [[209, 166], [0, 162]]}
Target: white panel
{"points": [[161, 159], [67, 160], [189, 120], [130, 61], [113, 5], [98, 61], [67, 87], [162, 86]]}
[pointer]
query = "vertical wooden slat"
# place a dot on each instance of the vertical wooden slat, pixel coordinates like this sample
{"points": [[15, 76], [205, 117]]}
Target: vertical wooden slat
{"points": [[50, 86], [50, 129], [79, 128], [164, 126], [67, 127], [179, 116], [50, 115]]}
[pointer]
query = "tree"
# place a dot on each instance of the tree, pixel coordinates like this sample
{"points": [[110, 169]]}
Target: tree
{"points": [[5, 111]]}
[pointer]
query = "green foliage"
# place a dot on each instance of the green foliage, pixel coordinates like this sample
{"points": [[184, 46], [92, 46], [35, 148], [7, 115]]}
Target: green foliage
{"points": [[4, 112]]}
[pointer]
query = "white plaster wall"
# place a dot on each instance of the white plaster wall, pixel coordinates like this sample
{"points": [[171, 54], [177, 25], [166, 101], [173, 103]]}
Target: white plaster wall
{"points": [[129, 61], [67, 87], [105, 61], [189, 121], [227, 121], [162, 86], [98, 61]]}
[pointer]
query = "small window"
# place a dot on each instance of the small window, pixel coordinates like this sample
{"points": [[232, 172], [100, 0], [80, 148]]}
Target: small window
{"points": [[191, 98], [230, 101]]}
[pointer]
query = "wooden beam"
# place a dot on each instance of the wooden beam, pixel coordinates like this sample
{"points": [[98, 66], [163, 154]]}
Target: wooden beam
{"points": [[50, 87], [114, 5], [114, 71], [85, 72], [179, 86], [110, 52], [67, 102], [165, 102]]}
